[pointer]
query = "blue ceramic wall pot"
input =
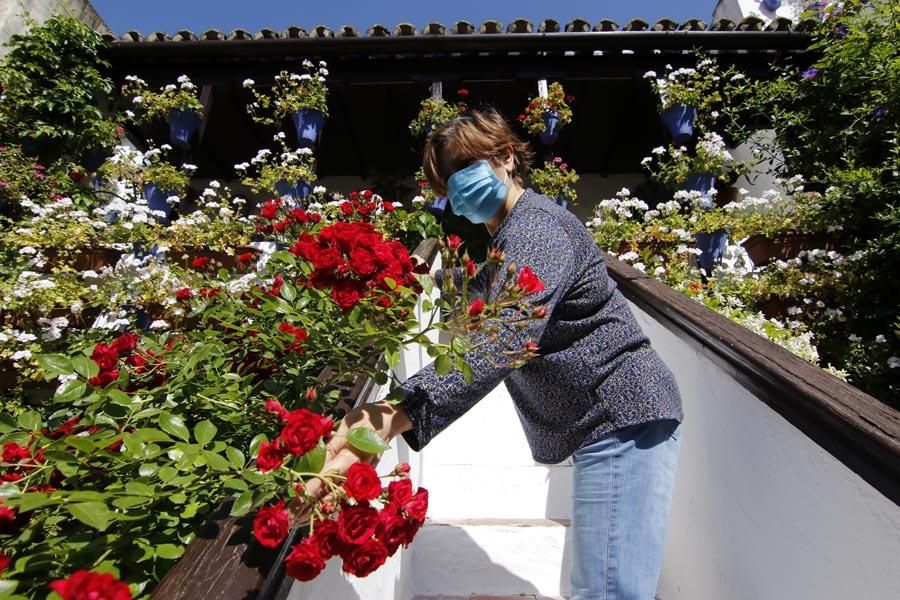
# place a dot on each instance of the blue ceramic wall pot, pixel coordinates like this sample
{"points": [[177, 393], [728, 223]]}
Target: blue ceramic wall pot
{"points": [[703, 183], [772, 4], [183, 124], [156, 200], [297, 191], [438, 207], [93, 160], [712, 246], [679, 120], [308, 123], [551, 128]]}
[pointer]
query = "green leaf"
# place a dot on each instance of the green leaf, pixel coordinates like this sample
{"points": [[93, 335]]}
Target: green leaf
{"points": [[442, 365], [7, 587], [147, 470], [55, 365], [119, 397], [148, 435], [85, 367], [30, 420], [7, 423], [31, 501], [255, 442], [80, 443], [426, 281], [204, 432], [167, 474], [10, 490], [136, 488], [127, 502], [70, 391], [93, 514], [314, 460], [236, 457], [174, 425], [242, 504], [169, 551], [216, 462], [367, 440], [288, 292]]}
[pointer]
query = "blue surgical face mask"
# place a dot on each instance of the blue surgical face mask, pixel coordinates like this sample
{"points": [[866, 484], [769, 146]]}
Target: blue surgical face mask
{"points": [[476, 193]]}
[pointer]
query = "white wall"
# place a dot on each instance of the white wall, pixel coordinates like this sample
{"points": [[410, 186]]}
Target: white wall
{"points": [[736, 10], [12, 21], [760, 512]]}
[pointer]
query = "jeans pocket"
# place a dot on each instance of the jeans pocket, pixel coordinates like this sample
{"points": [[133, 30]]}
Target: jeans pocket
{"points": [[670, 428]]}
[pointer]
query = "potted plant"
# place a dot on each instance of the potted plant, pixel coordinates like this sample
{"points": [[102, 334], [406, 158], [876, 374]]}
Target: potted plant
{"points": [[683, 93], [436, 205], [556, 180], [301, 97], [288, 173], [163, 182], [545, 116], [434, 112], [178, 103]]}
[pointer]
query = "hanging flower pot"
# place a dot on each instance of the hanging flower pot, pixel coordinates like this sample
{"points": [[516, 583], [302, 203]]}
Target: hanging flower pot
{"points": [[772, 4], [704, 183], [157, 201], [679, 119], [298, 191], [183, 124], [438, 207], [551, 128], [309, 123], [712, 247], [92, 160]]}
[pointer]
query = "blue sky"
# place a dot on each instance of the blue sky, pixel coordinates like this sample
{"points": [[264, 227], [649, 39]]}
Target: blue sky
{"points": [[198, 15]]}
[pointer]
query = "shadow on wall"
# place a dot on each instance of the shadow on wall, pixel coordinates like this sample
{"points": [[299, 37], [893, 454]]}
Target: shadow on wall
{"points": [[559, 509]]}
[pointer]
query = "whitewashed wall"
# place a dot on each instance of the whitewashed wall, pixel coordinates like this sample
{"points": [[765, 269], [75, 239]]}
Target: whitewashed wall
{"points": [[760, 511], [735, 10], [12, 21]]}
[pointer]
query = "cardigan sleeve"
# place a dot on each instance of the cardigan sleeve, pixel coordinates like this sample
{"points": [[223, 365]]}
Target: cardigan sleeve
{"points": [[433, 402]]}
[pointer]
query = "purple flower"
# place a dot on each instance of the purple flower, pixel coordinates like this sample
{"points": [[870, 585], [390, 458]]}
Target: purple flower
{"points": [[810, 73], [880, 112], [842, 30]]}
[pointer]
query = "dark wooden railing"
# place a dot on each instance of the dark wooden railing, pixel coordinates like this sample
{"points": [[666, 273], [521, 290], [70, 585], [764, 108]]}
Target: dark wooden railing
{"points": [[854, 427], [224, 562]]}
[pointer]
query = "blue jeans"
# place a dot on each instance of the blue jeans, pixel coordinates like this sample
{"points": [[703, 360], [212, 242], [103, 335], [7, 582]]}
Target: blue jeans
{"points": [[620, 506]]}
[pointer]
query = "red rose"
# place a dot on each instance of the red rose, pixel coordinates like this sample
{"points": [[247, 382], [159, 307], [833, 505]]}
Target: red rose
{"points": [[476, 307], [271, 525], [200, 262], [270, 456], [391, 530], [327, 259], [417, 506], [305, 561], [15, 453], [88, 585], [365, 558], [347, 208], [209, 292], [462, 92], [356, 524], [184, 294], [346, 294], [7, 517], [105, 356], [104, 378], [66, 428], [274, 406], [270, 208], [385, 302], [362, 261], [367, 194], [454, 241], [387, 206], [522, 116], [4, 561], [400, 492], [302, 431], [125, 343], [529, 282], [362, 482], [245, 257], [471, 268], [327, 538]]}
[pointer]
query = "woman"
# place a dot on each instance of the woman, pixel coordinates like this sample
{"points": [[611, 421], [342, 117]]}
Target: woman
{"points": [[597, 391]]}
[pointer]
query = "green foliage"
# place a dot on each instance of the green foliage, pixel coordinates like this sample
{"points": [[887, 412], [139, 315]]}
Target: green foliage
{"points": [[532, 118], [150, 105], [434, 112], [58, 114], [290, 93], [555, 180]]}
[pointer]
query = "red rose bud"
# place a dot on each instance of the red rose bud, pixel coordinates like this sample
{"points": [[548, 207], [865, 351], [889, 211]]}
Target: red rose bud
{"points": [[311, 395], [522, 117], [270, 456], [401, 469], [454, 241], [5, 560], [471, 268], [271, 525], [274, 406], [305, 561], [88, 585], [388, 206], [540, 312], [125, 343], [245, 257], [496, 255], [184, 294], [476, 307], [529, 282], [362, 482]]}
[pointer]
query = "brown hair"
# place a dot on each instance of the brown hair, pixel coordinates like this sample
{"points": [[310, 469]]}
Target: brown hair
{"points": [[480, 134]]}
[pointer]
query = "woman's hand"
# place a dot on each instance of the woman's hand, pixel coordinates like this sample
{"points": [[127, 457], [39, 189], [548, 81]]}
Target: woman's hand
{"points": [[387, 420]]}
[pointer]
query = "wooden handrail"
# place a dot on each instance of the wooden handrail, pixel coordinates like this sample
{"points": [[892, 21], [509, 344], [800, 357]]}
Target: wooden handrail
{"points": [[857, 429], [224, 562]]}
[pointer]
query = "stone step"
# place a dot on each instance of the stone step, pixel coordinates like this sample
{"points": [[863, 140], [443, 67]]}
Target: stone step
{"points": [[517, 558]]}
